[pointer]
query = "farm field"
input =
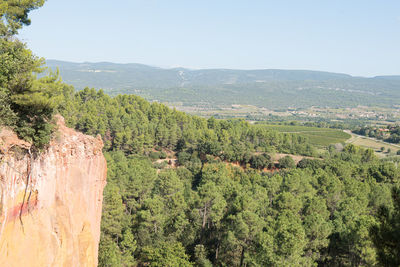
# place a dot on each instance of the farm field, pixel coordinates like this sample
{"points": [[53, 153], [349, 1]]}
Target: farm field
{"points": [[376, 145], [317, 136]]}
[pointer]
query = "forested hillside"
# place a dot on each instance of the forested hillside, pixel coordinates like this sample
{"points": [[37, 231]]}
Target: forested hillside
{"points": [[274, 89], [189, 191], [133, 125], [203, 211]]}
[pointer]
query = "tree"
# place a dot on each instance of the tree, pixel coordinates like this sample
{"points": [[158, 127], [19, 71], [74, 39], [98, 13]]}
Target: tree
{"points": [[14, 15], [317, 228], [212, 204], [35, 105], [111, 228], [27, 103], [113, 212], [109, 253], [368, 155], [289, 240], [128, 248], [149, 221], [201, 256], [166, 255], [386, 235], [286, 162], [260, 161], [171, 189], [310, 163]]}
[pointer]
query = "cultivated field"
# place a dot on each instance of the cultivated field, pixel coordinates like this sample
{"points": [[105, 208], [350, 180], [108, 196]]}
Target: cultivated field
{"points": [[316, 136], [376, 145]]}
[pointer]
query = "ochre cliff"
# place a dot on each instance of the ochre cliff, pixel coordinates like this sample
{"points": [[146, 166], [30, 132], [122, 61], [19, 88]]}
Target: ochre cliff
{"points": [[50, 204]]}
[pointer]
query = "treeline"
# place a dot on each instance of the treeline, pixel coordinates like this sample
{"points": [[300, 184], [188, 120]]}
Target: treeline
{"points": [[314, 122], [131, 124]]}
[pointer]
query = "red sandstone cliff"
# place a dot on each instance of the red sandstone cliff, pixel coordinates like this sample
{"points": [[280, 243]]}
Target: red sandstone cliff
{"points": [[50, 205]]}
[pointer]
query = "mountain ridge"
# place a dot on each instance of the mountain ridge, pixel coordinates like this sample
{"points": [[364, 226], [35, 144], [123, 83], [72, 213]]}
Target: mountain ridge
{"points": [[53, 62], [269, 88]]}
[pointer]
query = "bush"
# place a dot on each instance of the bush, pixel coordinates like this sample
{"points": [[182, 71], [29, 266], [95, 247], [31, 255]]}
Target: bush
{"points": [[260, 161], [154, 155], [309, 163], [163, 155], [212, 159], [183, 157], [160, 165], [286, 162]]}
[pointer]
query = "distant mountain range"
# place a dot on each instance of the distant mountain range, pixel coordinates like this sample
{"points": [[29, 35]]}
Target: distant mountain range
{"points": [[270, 88]]}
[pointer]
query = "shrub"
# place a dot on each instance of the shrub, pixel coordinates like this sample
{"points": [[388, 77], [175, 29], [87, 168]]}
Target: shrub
{"points": [[183, 157], [260, 161], [309, 163], [286, 162], [154, 155], [163, 155]]}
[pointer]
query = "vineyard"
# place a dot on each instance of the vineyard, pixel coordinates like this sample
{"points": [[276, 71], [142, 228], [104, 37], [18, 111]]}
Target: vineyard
{"points": [[316, 136]]}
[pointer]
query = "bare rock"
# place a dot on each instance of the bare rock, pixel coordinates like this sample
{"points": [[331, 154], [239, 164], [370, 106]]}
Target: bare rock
{"points": [[50, 204]]}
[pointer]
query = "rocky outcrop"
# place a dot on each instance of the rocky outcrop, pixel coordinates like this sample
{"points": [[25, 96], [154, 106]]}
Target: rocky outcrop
{"points": [[50, 204]]}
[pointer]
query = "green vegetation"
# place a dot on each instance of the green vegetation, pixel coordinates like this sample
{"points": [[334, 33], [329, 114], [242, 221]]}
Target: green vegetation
{"points": [[390, 133], [273, 89], [286, 162], [386, 235], [133, 125], [320, 213], [315, 135], [217, 206], [208, 212], [380, 147], [26, 103], [14, 15]]}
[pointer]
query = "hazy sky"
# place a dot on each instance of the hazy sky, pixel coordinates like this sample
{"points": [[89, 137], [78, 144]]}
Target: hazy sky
{"points": [[359, 37]]}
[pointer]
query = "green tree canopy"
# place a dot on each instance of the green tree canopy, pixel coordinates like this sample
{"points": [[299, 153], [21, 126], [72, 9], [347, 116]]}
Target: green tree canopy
{"points": [[14, 15]]}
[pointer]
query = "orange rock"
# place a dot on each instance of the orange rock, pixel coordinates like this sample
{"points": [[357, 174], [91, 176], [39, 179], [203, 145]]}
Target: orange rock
{"points": [[50, 204]]}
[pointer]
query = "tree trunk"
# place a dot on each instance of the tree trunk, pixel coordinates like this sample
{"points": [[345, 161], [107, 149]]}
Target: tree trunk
{"points": [[242, 258], [204, 216]]}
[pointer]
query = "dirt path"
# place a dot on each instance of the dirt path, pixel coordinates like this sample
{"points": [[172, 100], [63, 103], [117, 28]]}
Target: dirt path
{"points": [[296, 158]]}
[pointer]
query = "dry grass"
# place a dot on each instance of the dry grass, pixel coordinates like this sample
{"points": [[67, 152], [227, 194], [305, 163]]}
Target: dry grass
{"points": [[376, 145]]}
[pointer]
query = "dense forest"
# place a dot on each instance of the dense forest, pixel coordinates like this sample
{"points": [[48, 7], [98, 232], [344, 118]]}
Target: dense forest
{"points": [[206, 212], [224, 202]]}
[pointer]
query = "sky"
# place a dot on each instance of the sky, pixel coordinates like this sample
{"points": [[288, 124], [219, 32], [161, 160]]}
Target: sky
{"points": [[357, 37]]}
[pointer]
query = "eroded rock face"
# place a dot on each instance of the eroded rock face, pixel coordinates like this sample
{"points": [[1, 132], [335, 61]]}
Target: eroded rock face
{"points": [[50, 205]]}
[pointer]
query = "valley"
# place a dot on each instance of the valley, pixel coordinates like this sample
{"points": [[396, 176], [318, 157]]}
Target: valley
{"points": [[115, 165], [270, 89]]}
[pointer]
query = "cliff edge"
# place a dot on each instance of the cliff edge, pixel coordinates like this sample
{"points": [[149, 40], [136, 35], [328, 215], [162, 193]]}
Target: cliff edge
{"points": [[50, 204]]}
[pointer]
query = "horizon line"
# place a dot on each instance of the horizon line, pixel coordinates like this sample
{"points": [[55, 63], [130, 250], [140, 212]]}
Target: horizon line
{"points": [[234, 69]]}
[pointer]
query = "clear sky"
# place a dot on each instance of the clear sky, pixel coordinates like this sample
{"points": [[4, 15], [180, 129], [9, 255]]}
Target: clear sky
{"points": [[358, 37]]}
